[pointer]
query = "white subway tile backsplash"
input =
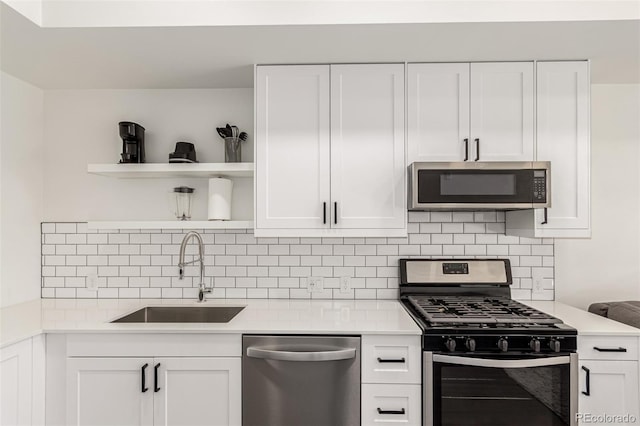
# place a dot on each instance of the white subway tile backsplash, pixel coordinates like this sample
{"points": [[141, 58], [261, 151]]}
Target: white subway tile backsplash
{"points": [[143, 263], [452, 228], [441, 217]]}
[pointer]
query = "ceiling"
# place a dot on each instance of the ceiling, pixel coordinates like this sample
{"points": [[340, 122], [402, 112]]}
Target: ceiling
{"points": [[223, 57]]}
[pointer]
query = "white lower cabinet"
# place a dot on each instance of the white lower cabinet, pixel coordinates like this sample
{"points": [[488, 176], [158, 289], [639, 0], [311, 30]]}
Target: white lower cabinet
{"points": [[391, 377], [22, 384], [391, 404], [147, 379], [609, 381], [153, 391]]}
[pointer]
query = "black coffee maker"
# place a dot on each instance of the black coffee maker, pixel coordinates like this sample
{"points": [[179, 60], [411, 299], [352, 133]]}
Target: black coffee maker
{"points": [[132, 135]]}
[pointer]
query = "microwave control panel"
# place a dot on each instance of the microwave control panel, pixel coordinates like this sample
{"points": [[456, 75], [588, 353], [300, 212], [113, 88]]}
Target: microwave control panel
{"points": [[539, 186]]}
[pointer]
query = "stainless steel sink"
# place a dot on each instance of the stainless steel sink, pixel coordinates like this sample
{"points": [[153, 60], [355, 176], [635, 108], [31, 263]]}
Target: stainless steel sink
{"points": [[173, 314]]}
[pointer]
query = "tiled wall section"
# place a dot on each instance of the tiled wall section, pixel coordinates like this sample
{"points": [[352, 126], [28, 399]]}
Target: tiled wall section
{"points": [[142, 263]]}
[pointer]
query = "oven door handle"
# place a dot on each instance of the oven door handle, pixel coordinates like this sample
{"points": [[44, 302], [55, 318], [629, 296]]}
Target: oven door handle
{"points": [[501, 363]]}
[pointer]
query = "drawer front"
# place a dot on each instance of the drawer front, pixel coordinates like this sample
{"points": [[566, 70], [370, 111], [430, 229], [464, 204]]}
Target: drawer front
{"points": [[391, 359], [391, 404], [608, 347]]}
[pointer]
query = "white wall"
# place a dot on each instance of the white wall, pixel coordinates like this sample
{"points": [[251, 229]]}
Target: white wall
{"points": [[607, 266], [81, 127], [21, 189]]}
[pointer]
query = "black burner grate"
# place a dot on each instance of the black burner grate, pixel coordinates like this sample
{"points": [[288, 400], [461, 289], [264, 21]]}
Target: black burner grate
{"points": [[478, 310]]}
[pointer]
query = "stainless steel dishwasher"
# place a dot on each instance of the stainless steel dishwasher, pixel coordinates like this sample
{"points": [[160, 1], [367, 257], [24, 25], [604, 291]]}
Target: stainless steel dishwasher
{"points": [[300, 380]]}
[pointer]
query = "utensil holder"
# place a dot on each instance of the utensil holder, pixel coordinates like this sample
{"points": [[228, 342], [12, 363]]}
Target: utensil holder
{"points": [[232, 150]]}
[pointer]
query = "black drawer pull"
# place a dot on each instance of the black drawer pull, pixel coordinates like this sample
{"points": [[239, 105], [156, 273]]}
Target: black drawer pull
{"points": [[156, 388], [381, 411], [610, 349], [546, 217], [587, 381], [335, 212], [398, 360], [144, 378]]}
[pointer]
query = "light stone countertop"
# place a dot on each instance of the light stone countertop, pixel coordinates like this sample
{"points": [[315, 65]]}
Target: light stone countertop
{"points": [[280, 316], [585, 322], [284, 316]]}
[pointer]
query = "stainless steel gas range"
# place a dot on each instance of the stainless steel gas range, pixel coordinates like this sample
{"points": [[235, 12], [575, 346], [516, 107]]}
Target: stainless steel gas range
{"points": [[488, 360]]}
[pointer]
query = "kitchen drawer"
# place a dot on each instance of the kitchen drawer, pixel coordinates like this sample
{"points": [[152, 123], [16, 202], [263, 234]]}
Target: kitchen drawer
{"points": [[391, 359], [391, 404], [611, 347]]}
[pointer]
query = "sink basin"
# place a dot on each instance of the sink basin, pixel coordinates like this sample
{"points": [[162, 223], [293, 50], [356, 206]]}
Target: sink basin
{"points": [[175, 314]]}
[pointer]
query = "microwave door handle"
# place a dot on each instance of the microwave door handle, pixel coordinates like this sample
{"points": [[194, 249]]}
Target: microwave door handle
{"points": [[501, 363]]}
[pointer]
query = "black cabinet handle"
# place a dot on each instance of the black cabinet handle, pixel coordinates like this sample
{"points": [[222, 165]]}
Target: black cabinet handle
{"points": [[156, 388], [587, 381], [610, 349], [466, 149], [544, 220], [324, 213], [381, 411], [398, 360], [143, 373], [477, 149], [335, 212]]}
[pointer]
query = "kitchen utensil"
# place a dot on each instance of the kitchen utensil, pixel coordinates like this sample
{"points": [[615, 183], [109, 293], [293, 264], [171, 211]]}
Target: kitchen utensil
{"points": [[183, 196]]}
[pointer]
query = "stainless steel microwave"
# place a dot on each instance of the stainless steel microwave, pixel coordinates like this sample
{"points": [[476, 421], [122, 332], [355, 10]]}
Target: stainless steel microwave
{"points": [[479, 185]]}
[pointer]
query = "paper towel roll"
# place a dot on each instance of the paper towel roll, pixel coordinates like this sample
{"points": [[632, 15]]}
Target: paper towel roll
{"points": [[220, 198]]}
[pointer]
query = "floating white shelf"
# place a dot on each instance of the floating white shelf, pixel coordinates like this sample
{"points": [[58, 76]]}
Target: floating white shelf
{"points": [[167, 170], [172, 224]]}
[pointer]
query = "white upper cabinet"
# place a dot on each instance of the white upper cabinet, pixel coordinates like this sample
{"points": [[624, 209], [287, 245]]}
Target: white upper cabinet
{"points": [[292, 146], [367, 146], [330, 150], [471, 112], [438, 112], [563, 139], [502, 119]]}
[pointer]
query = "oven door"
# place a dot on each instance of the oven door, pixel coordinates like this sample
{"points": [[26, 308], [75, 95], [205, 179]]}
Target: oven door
{"points": [[500, 390]]}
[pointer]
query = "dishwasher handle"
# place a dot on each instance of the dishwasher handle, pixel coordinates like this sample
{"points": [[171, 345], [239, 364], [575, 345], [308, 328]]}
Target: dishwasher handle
{"points": [[277, 355]]}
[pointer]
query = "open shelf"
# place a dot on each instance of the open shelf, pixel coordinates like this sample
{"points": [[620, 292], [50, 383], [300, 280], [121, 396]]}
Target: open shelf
{"points": [[168, 170], [172, 224]]}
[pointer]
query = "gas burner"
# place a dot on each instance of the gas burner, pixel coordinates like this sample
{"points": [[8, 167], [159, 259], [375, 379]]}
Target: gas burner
{"points": [[478, 310]]}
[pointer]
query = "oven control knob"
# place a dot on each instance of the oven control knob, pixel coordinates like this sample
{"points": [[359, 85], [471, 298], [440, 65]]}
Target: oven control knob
{"points": [[450, 344], [554, 344], [503, 344], [534, 344], [470, 343]]}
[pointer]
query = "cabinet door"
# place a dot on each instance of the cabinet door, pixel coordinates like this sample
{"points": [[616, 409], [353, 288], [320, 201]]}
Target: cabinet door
{"points": [[108, 391], [198, 391], [438, 112], [16, 386], [367, 146], [502, 118], [563, 139], [613, 390], [292, 146]]}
